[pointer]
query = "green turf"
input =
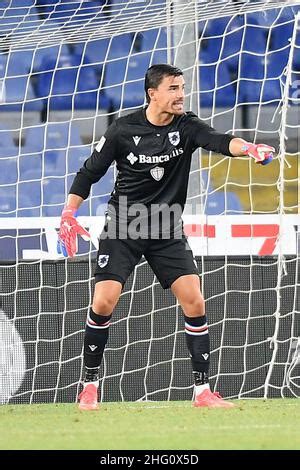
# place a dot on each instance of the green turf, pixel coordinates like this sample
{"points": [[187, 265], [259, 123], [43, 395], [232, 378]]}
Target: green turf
{"points": [[252, 424]]}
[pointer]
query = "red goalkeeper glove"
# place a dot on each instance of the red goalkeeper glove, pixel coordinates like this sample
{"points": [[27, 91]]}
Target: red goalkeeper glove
{"points": [[67, 243], [261, 153]]}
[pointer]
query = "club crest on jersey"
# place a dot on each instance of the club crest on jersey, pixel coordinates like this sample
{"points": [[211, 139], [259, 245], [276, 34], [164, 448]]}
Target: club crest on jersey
{"points": [[103, 260], [136, 139], [157, 173], [174, 137]]}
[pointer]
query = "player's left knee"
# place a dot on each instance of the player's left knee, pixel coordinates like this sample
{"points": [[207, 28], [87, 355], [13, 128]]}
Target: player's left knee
{"points": [[196, 307]]}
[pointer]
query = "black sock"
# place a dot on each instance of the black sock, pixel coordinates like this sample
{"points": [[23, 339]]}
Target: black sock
{"points": [[95, 339], [197, 340]]}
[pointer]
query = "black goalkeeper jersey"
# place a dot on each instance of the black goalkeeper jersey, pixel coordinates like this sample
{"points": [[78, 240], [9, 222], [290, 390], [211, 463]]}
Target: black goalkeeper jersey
{"points": [[153, 162]]}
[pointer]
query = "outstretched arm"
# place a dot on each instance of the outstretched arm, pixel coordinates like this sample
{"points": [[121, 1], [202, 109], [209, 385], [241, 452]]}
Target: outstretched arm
{"points": [[208, 138], [261, 153]]}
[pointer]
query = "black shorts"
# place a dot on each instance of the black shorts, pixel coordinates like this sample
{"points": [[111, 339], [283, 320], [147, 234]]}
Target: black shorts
{"points": [[169, 259]]}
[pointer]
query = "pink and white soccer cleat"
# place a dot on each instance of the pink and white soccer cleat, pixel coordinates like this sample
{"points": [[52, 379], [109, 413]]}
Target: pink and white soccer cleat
{"points": [[211, 399], [88, 398]]}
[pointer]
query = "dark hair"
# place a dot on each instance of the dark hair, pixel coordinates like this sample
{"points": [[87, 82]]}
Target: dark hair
{"points": [[156, 73]]}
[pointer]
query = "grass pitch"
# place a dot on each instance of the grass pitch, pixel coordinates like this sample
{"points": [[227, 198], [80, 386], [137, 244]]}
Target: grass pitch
{"points": [[252, 424]]}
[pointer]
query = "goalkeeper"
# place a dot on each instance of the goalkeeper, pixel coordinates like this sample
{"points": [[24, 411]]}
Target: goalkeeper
{"points": [[152, 148]]}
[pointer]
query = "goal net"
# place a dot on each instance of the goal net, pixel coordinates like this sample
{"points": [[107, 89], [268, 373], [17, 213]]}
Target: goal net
{"points": [[67, 70]]}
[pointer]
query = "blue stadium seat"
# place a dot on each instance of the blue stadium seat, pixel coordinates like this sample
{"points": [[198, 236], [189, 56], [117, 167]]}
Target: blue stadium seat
{"points": [[15, 63], [86, 92], [53, 68], [124, 80], [72, 16], [159, 57], [65, 77], [6, 137], [53, 185], [260, 67], [252, 67], [114, 77], [260, 77], [120, 46], [51, 163], [94, 51], [76, 158], [40, 192], [219, 26], [134, 94], [58, 14], [11, 151], [212, 46], [225, 38], [153, 39], [22, 18], [42, 55], [29, 187], [26, 210], [54, 162], [220, 202], [8, 171], [54, 205], [265, 18], [281, 35], [19, 95], [215, 84], [54, 135], [8, 204], [255, 39], [28, 163], [278, 22], [19, 62], [41, 165], [266, 91], [223, 33], [276, 63], [31, 174], [97, 51]]}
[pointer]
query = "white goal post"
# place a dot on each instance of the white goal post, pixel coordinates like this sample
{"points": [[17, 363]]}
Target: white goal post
{"points": [[67, 70]]}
